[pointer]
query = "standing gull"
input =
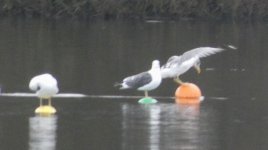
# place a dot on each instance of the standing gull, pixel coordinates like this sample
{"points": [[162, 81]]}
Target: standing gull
{"points": [[177, 65], [45, 86], [145, 81]]}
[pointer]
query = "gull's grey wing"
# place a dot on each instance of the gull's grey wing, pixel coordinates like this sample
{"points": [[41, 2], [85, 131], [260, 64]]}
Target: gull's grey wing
{"points": [[199, 52], [138, 80], [172, 62]]}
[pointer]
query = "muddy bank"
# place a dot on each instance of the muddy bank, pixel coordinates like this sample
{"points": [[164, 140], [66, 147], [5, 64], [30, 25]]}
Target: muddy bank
{"points": [[138, 9]]}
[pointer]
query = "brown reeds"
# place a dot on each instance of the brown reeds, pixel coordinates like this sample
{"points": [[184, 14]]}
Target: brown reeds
{"points": [[170, 9]]}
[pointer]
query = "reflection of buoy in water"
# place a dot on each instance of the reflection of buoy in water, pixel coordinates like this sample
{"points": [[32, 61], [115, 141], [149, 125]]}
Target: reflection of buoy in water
{"points": [[43, 132], [147, 100], [45, 110], [188, 93]]}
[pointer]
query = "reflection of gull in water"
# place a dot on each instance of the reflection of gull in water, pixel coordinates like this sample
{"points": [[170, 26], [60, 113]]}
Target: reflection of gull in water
{"points": [[182, 127], [142, 130], [42, 133], [154, 122], [45, 86], [145, 81], [167, 126]]}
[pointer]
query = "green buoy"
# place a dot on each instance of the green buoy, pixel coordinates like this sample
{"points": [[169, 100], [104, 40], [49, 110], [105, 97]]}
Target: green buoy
{"points": [[147, 100]]}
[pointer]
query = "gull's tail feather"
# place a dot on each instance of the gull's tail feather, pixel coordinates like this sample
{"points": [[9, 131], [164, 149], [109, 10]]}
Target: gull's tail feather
{"points": [[121, 85], [118, 84]]}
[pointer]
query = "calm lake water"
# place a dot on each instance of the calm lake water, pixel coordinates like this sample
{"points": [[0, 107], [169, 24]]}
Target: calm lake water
{"points": [[89, 57]]}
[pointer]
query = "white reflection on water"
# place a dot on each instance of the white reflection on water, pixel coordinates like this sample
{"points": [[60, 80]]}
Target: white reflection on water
{"points": [[165, 126], [187, 126], [42, 132], [144, 128], [154, 127]]}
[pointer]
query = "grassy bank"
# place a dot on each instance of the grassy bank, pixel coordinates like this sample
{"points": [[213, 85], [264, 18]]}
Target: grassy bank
{"points": [[138, 9]]}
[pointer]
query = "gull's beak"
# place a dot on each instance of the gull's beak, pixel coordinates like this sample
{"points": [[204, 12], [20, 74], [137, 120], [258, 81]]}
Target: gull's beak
{"points": [[198, 69]]}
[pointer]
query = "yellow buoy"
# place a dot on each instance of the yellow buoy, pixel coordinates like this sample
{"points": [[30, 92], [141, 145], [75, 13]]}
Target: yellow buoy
{"points": [[45, 110], [188, 93]]}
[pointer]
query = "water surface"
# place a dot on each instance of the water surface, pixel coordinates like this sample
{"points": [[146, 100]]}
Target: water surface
{"points": [[89, 57]]}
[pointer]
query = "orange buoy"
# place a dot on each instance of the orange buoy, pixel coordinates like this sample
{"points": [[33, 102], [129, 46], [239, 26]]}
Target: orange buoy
{"points": [[188, 93]]}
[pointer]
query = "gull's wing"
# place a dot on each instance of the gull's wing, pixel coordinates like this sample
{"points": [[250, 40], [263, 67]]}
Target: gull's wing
{"points": [[138, 80], [199, 52], [172, 62]]}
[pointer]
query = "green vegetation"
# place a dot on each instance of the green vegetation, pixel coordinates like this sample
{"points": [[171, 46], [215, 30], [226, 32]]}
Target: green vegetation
{"points": [[138, 9]]}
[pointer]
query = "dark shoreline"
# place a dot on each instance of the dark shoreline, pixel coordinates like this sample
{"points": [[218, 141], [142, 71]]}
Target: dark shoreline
{"points": [[235, 10]]}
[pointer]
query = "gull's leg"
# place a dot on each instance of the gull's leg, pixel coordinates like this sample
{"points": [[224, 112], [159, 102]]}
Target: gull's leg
{"points": [[40, 102], [146, 93], [49, 102], [178, 80]]}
